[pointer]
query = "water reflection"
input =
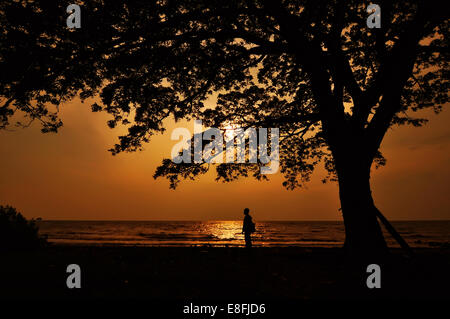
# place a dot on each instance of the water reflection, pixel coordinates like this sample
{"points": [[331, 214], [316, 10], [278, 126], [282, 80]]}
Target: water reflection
{"points": [[223, 230]]}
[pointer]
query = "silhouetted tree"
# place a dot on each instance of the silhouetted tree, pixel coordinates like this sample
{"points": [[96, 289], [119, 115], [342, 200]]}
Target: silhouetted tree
{"points": [[18, 233], [312, 68]]}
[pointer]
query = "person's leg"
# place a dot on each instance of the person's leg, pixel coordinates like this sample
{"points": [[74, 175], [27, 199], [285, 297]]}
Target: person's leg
{"points": [[248, 240]]}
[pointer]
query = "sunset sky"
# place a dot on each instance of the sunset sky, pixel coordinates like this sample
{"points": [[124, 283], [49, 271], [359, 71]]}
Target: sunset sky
{"points": [[71, 175]]}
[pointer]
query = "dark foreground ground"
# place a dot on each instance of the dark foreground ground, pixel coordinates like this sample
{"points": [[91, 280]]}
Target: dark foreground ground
{"points": [[220, 274]]}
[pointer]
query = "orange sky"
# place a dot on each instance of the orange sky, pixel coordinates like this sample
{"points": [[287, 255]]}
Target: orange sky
{"points": [[71, 175]]}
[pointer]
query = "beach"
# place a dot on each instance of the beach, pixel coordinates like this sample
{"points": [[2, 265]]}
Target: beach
{"points": [[221, 274]]}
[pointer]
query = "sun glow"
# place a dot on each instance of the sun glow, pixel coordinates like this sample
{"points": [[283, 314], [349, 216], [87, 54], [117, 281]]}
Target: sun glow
{"points": [[230, 130], [224, 230]]}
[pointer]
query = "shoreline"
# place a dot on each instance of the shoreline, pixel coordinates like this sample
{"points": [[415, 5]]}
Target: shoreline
{"points": [[87, 243], [77, 243]]}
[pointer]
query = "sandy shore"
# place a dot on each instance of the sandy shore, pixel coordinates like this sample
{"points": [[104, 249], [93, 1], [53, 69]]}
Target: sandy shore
{"points": [[221, 274]]}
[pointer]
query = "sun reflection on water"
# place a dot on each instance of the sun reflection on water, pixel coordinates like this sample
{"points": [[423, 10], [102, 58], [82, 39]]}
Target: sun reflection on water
{"points": [[224, 232], [224, 229]]}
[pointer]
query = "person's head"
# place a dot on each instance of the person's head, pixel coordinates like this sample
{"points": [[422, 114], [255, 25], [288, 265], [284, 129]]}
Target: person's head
{"points": [[246, 211]]}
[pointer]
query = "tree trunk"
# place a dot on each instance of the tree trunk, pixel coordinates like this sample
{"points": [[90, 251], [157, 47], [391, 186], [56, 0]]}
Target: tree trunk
{"points": [[363, 235]]}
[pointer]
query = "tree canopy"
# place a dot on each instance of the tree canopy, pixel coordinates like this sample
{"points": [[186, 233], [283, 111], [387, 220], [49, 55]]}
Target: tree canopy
{"points": [[311, 68]]}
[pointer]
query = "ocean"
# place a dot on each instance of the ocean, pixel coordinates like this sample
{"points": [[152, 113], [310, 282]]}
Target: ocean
{"points": [[228, 233]]}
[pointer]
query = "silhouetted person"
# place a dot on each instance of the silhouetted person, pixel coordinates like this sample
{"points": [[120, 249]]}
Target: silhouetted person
{"points": [[248, 228]]}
